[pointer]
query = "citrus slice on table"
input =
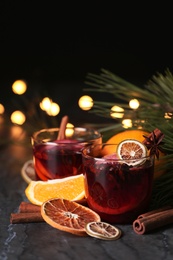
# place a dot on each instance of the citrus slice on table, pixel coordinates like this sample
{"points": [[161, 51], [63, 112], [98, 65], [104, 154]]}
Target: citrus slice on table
{"points": [[71, 188], [132, 152], [68, 215], [103, 230], [28, 171]]}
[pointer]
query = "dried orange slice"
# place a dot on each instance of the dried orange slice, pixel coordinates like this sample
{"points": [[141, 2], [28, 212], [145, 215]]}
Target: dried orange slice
{"points": [[103, 230], [71, 188], [28, 171], [68, 215], [133, 152]]}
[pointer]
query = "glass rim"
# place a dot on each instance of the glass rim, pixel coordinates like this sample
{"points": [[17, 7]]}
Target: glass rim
{"points": [[81, 129], [85, 155]]}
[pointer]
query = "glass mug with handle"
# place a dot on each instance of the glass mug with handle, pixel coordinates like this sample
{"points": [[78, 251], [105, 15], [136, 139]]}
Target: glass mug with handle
{"points": [[53, 158]]}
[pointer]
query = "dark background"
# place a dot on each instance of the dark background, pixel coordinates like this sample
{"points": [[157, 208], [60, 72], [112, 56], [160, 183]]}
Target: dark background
{"points": [[54, 46]]}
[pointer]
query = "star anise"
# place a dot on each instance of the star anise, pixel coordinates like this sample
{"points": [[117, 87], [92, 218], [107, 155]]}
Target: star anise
{"points": [[153, 142]]}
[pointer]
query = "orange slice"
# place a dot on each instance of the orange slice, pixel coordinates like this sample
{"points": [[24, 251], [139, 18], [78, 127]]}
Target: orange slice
{"points": [[103, 230], [68, 215], [71, 188], [136, 134], [132, 152]]}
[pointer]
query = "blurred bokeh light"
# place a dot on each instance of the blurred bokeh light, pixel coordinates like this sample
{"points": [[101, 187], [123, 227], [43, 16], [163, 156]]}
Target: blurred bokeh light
{"points": [[117, 112], [19, 87], [2, 109], [134, 103], [17, 117], [85, 102]]}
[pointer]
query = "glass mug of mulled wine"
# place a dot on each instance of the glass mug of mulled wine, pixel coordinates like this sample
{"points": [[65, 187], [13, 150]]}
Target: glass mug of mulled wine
{"points": [[54, 158], [118, 190]]}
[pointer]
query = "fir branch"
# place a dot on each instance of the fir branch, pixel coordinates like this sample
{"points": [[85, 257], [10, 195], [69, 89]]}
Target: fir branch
{"points": [[151, 96], [156, 99], [110, 83]]}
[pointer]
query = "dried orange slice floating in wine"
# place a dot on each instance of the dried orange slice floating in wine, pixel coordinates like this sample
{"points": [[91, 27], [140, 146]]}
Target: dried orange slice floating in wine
{"points": [[133, 152], [71, 188], [103, 230], [68, 215]]}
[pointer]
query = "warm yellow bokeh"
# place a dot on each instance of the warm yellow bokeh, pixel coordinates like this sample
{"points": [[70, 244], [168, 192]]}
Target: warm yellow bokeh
{"points": [[69, 130], [117, 112], [45, 103], [127, 123], [2, 109], [18, 117], [19, 87], [50, 107], [85, 102], [53, 110], [134, 103]]}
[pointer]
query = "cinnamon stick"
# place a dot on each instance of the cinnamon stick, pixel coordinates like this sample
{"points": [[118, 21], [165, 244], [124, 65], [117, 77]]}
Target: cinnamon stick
{"points": [[154, 211], [25, 217], [26, 207], [29, 212], [61, 134], [153, 220]]}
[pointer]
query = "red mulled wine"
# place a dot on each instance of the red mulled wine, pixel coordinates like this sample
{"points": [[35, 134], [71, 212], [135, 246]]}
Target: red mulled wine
{"points": [[117, 191], [55, 159]]}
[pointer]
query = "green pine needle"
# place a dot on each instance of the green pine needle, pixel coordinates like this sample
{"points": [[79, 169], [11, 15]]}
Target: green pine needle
{"points": [[156, 100]]}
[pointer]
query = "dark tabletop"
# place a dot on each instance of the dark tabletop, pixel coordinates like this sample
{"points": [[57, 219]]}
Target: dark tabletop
{"points": [[40, 241]]}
